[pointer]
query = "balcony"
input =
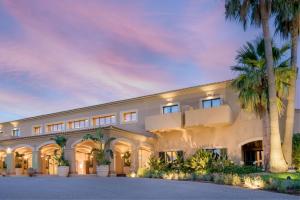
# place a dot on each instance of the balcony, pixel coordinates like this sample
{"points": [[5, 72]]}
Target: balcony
{"points": [[210, 117], [163, 122]]}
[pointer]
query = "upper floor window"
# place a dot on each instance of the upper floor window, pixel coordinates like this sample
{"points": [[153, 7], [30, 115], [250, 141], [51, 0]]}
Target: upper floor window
{"points": [[16, 132], [105, 120], [211, 103], [129, 116], [83, 123], [55, 127], [170, 109], [37, 130]]}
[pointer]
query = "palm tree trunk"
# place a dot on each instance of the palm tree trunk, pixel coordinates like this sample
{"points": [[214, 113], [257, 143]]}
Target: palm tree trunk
{"points": [[266, 140], [290, 110], [277, 162]]}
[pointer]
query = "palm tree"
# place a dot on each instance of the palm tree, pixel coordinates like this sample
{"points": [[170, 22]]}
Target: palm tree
{"points": [[257, 12], [102, 153], [252, 83], [61, 141], [287, 23]]}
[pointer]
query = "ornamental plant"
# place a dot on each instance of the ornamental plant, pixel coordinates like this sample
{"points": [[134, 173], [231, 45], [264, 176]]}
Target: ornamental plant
{"points": [[102, 152]]}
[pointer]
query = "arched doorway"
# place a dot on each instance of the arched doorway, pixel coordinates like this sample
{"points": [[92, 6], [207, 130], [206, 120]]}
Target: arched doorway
{"points": [[253, 153], [122, 157], [47, 159], [22, 159], [2, 160], [85, 161]]}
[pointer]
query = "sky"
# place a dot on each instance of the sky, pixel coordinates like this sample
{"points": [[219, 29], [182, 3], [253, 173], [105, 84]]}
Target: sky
{"points": [[62, 54]]}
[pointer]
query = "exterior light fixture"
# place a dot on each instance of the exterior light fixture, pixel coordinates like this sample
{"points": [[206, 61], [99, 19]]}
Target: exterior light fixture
{"points": [[8, 150]]}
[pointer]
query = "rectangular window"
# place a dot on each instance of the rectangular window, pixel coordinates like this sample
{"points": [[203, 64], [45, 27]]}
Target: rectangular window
{"points": [[16, 132], [170, 109], [218, 152], [129, 116], [211, 103], [105, 120], [171, 156], [37, 130], [84, 123], [55, 127]]}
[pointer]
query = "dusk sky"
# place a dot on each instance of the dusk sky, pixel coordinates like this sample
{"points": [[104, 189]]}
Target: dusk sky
{"points": [[61, 54]]}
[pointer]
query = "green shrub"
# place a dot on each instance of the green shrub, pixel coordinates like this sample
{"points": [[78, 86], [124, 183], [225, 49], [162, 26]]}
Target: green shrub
{"points": [[228, 179], [236, 169], [156, 164], [296, 151], [199, 162], [218, 178], [141, 172], [236, 180]]}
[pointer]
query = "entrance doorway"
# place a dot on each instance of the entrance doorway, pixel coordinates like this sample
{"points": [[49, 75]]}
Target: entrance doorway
{"points": [[48, 163], [253, 153], [85, 161]]}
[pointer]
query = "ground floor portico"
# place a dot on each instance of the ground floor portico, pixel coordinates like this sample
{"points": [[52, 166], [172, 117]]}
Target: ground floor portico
{"points": [[131, 151]]}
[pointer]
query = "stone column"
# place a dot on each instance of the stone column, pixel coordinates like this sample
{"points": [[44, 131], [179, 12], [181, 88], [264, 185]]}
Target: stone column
{"points": [[134, 159], [36, 158], [9, 160], [70, 156]]}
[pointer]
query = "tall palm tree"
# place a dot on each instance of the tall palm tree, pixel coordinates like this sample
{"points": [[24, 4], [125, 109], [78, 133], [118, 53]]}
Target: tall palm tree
{"points": [[257, 12], [103, 153], [252, 83], [287, 24]]}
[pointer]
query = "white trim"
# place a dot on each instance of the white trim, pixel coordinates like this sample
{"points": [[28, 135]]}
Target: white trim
{"points": [[250, 140], [127, 111], [169, 104]]}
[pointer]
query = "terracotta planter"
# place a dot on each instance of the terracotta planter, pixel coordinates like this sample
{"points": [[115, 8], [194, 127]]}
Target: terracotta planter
{"points": [[63, 171], [3, 172], [19, 171], [103, 170], [126, 170]]}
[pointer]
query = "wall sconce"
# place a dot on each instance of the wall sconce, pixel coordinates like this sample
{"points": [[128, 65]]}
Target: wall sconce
{"points": [[8, 150]]}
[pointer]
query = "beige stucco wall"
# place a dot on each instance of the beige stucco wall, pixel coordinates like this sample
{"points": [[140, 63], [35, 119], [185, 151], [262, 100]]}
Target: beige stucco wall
{"points": [[240, 128]]}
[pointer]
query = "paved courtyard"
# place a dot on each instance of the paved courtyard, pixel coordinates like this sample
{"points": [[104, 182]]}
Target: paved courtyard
{"points": [[122, 188]]}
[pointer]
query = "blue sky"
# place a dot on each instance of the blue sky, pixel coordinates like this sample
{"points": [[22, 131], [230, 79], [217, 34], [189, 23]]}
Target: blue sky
{"points": [[57, 55]]}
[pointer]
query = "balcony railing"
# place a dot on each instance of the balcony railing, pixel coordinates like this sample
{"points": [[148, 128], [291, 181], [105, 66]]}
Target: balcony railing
{"points": [[209, 117], [164, 122]]}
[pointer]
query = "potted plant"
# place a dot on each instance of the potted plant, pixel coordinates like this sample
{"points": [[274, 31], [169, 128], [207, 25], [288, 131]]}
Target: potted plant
{"points": [[127, 162], [18, 165], [18, 169], [102, 153], [63, 168]]}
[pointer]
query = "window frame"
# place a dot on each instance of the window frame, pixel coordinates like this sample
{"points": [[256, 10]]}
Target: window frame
{"points": [[170, 105], [18, 131], [104, 117], [62, 123], [122, 113], [36, 126], [173, 153], [71, 123], [202, 100]]}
